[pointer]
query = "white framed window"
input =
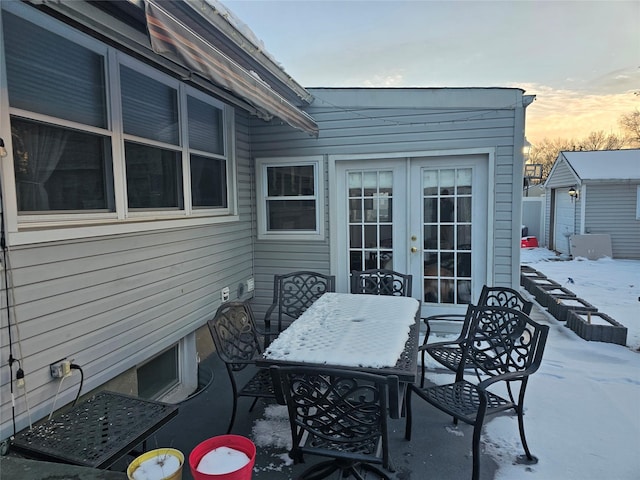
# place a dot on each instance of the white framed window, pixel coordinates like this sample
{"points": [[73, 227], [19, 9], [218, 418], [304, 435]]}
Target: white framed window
{"points": [[172, 375], [290, 194], [101, 139]]}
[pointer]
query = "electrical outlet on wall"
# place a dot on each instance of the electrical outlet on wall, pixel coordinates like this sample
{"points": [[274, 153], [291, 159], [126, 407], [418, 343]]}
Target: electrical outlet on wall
{"points": [[250, 285], [225, 294]]}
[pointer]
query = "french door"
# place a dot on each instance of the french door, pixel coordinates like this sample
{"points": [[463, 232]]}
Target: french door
{"points": [[425, 216]]}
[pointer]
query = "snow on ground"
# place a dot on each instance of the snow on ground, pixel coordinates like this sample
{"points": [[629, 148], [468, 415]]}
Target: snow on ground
{"points": [[611, 285], [583, 406]]}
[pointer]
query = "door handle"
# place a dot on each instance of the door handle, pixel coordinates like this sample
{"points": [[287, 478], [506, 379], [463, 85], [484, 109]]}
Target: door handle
{"points": [[414, 249]]}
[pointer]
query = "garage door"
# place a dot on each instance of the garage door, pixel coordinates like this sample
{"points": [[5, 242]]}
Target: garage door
{"points": [[564, 220]]}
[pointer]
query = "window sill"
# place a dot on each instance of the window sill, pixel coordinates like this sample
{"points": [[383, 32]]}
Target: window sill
{"points": [[291, 237], [51, 232]]}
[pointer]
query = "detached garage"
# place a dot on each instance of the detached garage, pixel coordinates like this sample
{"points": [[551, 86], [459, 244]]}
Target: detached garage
{"points": [[594, 193]]}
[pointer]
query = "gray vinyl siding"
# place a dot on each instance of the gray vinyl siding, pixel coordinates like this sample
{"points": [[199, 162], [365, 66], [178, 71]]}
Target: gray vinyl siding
{"points": [[112, 302], [611, 208], [360, 130], [561, 176]]}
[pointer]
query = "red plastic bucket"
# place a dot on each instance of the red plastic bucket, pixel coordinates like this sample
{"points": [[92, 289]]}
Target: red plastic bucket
{"points": [[236, 442]]}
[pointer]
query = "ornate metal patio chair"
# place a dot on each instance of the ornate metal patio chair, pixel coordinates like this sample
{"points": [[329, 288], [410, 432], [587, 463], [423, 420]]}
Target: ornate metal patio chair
{"points": [[237, 344], [293, 293], [340, 414], [449, 353], [381, 282], [503, 346]]}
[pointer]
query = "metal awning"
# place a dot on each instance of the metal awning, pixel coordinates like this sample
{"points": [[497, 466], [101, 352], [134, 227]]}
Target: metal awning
{"points": [[173, 39]]}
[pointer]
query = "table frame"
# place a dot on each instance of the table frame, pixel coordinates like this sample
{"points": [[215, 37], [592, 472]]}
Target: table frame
{"points": [[96, 432], [406, 368]]}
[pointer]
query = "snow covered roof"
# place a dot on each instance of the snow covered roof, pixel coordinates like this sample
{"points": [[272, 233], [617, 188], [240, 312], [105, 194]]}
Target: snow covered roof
{"points": [[605, 164]]}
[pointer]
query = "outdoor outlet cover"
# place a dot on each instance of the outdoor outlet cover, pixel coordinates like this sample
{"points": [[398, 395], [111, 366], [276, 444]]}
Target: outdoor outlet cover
{"points": [[225, 294]]}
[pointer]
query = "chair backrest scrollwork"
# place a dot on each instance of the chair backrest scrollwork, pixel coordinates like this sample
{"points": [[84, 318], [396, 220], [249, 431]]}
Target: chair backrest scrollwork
{"points": [[502, 340], [234, 334], [381, 282], [293, 294], [336, 413]]}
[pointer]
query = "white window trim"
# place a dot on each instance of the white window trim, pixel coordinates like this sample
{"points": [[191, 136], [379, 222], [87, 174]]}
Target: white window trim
{"points": [[28, 229], [317, 161], [638, 202], [187, 370]]}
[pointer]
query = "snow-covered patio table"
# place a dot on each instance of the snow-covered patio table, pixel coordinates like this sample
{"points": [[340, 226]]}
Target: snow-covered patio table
{"points": [[371, 333]]}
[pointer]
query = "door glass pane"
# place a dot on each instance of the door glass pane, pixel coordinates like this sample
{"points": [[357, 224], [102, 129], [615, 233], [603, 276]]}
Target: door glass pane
{"points": [[464, 209], [430, 182], [447, 179], [430, 210], [370, 184], [464, 237], [356, 261], [355, 210], [447, 222], [386, 182], [463, 185], [431, 237], [370, 236], [355, 184], [370, 219], [386, 239], [355, 236]]}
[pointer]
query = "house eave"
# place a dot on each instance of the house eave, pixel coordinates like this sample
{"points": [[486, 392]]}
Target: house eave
{"points": [[265, 90]]}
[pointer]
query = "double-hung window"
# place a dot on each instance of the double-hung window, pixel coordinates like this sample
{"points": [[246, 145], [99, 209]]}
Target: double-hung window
{"points": [[59, 122], [290, 198], [97, 135]]}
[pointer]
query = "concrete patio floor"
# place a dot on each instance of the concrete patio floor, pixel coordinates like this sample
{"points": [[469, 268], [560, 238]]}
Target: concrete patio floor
{"points": [[438, 450]]}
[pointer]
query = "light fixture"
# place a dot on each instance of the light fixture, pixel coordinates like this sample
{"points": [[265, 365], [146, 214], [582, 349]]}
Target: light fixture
{"points": [[3, 151], [573, 193]]}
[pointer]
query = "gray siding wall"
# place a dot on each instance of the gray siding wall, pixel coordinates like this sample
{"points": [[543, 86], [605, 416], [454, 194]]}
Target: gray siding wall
{"points": [[562, 176], [113, 302], [348, 129], [611, 208]]}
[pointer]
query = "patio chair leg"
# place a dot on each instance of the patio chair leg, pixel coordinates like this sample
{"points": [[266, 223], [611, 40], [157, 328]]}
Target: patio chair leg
{"points": [[253, 404], [407, 404], [523, 439], [477, 430], [234, 390]]}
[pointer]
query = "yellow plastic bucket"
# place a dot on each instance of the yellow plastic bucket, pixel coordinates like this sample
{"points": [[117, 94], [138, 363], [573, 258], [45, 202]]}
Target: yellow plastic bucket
{"points": [[158, 452]]}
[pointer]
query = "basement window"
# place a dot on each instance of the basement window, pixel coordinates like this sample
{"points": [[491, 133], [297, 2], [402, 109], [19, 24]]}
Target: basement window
{"points": [[159, 375]]}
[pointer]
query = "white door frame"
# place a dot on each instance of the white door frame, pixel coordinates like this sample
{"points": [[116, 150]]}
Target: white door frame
{"points": [[337, 217]]}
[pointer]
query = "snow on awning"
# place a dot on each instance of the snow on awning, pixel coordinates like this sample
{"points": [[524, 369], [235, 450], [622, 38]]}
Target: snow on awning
{"points": [[173, 39]]}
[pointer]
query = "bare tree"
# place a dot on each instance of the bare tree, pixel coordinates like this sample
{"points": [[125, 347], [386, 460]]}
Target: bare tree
{"points": [[630, 123], [603, 141], [546, 152]]}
